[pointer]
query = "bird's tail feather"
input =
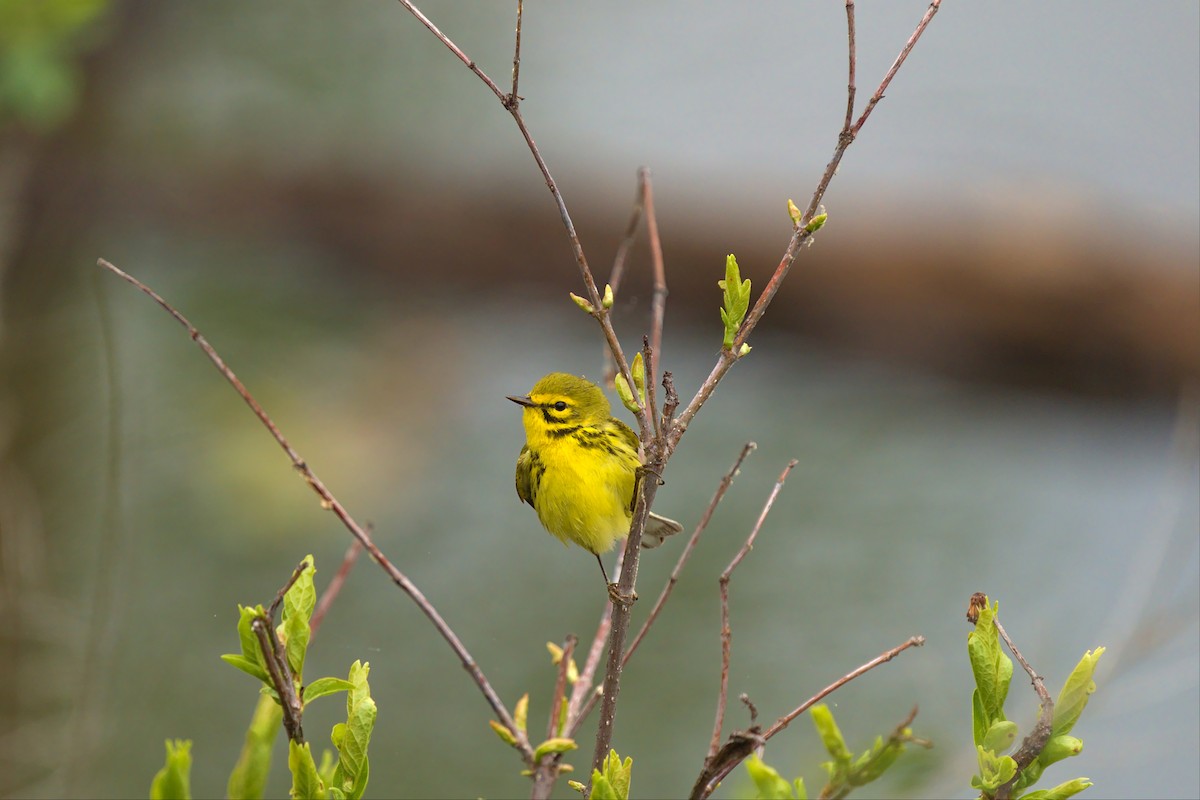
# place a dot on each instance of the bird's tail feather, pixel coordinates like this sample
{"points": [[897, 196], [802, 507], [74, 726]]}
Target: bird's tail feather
{"points": [[657, 529]]}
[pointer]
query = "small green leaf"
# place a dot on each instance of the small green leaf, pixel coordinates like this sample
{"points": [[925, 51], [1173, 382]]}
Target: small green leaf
{"points": [[504, 733], [1075, 693], [831, 736], [625, 394], [306, 783], [1058, 748], [994, 771], [618, 773], [577, 786], [607, 300], [816, 223], [250, 647], [801, 792], [352, 737], [323, 686], [173, 781], [1060, 792], [247, 666], [793, 212], [602, 789], [556, 744], [979, 720], [992, 669], [1000, 736], [298, 605], [563, 707], [521, 712], [768, 784], [249, 777], [638, 370], [736, 300], [582, 303]]}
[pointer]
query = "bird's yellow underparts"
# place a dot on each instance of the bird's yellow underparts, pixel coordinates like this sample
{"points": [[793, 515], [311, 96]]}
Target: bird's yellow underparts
{"points": [[579, 468]]}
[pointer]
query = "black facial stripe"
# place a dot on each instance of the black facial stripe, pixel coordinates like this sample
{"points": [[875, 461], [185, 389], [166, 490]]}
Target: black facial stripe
{"points": [[559, 432]]}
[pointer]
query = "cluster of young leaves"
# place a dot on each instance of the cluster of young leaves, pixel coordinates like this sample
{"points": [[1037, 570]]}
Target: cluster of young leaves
{"points": [[994, 734], [611, 783], [736, 303], [556, 743], [345, 777], [845, 772]]}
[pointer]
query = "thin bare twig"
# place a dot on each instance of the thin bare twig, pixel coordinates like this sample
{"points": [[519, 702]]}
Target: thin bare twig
{"points": [[578, 717], [850, 88], [726, 629], [599, 312], [800, 235], [781, 723], [722, 488], [546, 771], [619, 260], [331, 503], [658, 301], [1033, 744], [335, 587], [515, 98]]}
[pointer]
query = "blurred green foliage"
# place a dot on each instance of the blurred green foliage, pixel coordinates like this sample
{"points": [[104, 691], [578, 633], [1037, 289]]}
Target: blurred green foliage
{"points": [[40, 46]]}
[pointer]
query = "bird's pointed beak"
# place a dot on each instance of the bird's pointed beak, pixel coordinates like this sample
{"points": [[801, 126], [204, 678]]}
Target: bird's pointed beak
{"points": [[521, 401]]}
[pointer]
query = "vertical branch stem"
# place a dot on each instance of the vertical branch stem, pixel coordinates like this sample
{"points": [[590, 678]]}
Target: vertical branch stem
{"points": [[726, 629]]}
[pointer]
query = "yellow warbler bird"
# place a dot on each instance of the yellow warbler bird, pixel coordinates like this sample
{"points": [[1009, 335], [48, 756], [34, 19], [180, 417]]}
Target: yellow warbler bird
{"points": [[579, 467]]}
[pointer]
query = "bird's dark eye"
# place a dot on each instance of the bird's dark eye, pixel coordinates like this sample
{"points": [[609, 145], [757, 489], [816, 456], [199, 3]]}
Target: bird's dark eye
{"points": [[560, 406]]}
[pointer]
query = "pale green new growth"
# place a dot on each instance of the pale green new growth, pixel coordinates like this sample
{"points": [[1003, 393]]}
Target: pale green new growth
{"points": [[249, 777], [816, 223], [306, 783], [736, 301], [994, 734], [554, 745], [521, 712], [607, 300], [613, 782], [352, 737], [298, 604], [173, 781], [583, 303], [770, 785], [638, 370], [504, 733], [794, 212]]}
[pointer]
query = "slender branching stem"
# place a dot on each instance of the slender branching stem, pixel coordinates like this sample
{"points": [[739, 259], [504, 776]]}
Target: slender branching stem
{"points": [[726, 629], [716, 777], [1033, 744], [331, 503]]}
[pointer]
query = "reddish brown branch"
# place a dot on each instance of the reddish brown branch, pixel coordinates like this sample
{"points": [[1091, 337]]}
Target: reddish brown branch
{"points": [[800, 235], [1033, 744], [726, 629], [335, 586], [786, 719], [722, 488], [331, 503]]}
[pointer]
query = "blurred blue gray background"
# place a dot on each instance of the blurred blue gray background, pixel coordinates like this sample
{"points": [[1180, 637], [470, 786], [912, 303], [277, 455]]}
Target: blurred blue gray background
{"points": [[986, 366]]}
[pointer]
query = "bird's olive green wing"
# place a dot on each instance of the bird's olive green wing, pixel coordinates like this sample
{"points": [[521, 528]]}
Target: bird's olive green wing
{"points": [[525, 475]]}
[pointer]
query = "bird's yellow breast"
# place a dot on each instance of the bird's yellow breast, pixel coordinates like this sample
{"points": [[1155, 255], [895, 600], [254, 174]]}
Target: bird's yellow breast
{"points": [[584, 482]]}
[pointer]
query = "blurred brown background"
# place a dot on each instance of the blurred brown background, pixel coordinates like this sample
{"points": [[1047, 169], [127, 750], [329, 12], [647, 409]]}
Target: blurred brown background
{"points": [[986, 364]]}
